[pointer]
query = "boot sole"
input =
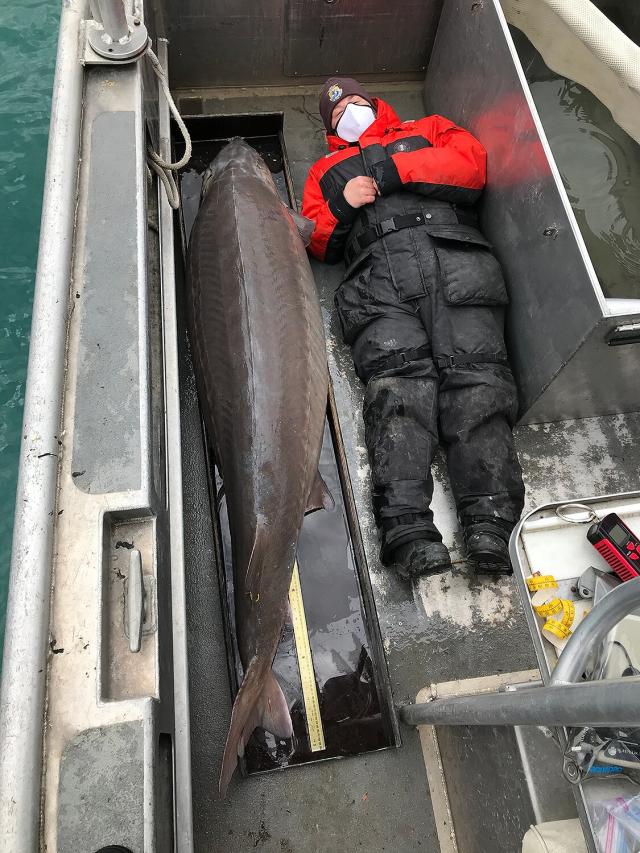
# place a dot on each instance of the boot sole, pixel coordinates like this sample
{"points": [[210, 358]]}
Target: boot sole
{"points": [[426, 573], [489, 564], [426, 570]]}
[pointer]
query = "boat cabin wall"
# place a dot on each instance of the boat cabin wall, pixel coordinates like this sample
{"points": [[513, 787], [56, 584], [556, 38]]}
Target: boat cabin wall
{"points": [[280, 42]]}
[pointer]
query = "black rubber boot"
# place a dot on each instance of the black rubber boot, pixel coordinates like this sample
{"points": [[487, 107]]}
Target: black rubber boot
{"points": [[421, 557], [487, 547]]}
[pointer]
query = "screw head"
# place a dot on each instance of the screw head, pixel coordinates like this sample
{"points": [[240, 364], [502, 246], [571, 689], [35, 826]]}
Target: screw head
{"points": [[571, 771]]}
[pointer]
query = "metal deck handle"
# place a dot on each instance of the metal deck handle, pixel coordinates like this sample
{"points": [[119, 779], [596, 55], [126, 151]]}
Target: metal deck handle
{"points": [[135, 601]]}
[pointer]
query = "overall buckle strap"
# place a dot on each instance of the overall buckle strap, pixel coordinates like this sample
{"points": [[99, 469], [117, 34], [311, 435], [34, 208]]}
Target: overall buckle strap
{"points": [[447, 361], [385, 227], [406, 357], [397, 223], [407, 220]]}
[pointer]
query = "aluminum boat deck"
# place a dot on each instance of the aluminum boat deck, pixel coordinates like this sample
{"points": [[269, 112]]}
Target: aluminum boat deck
{"points": [[115, 695]]}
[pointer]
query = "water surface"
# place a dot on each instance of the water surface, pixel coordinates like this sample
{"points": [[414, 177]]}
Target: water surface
{"points": [[28, 37], [600, 167]]}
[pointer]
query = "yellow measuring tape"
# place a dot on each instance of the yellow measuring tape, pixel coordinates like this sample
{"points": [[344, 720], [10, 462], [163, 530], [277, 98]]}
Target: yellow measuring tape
{"points": [[548, 608], [562, 628], [305, 664], [557, 628], [568, 613], [537, 582]]}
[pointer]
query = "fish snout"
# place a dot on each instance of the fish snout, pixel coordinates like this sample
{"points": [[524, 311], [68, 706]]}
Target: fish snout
{"points": [[236, 154]]}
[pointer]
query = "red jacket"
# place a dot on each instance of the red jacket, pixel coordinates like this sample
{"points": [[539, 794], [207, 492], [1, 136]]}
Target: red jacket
{"points": [[430, 156]]}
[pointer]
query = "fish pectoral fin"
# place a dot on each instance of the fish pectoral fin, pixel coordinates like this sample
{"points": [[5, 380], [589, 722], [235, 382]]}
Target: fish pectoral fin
{"points": [[319, 497], [305, 226], [274, 711]]}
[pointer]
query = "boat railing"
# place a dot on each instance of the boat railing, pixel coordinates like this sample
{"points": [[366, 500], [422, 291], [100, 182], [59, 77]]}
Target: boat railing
{"points": [[95, 648]]}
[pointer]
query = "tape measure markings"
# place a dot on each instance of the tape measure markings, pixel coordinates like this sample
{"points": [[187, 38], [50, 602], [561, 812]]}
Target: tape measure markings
{"points": [[559, 613], [537, 582], [557, 629], [305, 664], [548, 608], [568, 612]]}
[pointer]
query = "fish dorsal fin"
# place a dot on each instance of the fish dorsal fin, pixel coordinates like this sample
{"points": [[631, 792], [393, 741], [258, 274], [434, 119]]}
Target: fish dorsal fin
{"points": [[319, 496], [254, 566]]}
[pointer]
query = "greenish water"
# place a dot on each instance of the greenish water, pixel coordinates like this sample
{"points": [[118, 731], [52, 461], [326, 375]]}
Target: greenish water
{"points": [[600, 168], [28, 37]]}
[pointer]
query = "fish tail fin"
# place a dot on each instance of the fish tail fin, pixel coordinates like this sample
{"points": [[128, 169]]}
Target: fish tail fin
{"points": [[260, 702]]}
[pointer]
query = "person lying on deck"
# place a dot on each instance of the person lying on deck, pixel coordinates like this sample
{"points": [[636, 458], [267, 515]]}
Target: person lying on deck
{"points": [[422, 306]]}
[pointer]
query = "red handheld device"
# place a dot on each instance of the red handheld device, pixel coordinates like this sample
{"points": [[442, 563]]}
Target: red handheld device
{"points": [[619, 546]]}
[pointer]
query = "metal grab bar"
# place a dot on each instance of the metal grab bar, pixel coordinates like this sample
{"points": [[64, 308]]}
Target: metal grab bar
{"points": [[24, 668], [591, 703], [113, 18]]}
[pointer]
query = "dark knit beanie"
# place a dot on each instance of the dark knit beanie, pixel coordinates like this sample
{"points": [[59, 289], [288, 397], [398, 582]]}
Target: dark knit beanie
{"points": [[333, 91]]}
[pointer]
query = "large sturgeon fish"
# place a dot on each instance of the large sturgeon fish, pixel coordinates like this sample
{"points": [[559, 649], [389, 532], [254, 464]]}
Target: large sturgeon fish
{"points": [[260, 360]]}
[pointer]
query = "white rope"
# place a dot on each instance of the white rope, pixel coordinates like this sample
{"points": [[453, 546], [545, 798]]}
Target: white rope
{"points": [[163, 169]]}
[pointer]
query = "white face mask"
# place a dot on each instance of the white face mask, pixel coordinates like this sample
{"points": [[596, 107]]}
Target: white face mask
{"points": [[354, 121]]}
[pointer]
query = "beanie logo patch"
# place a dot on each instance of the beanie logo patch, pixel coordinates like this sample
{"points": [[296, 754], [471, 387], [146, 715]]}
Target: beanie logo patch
{"points": [[334, 93]]}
